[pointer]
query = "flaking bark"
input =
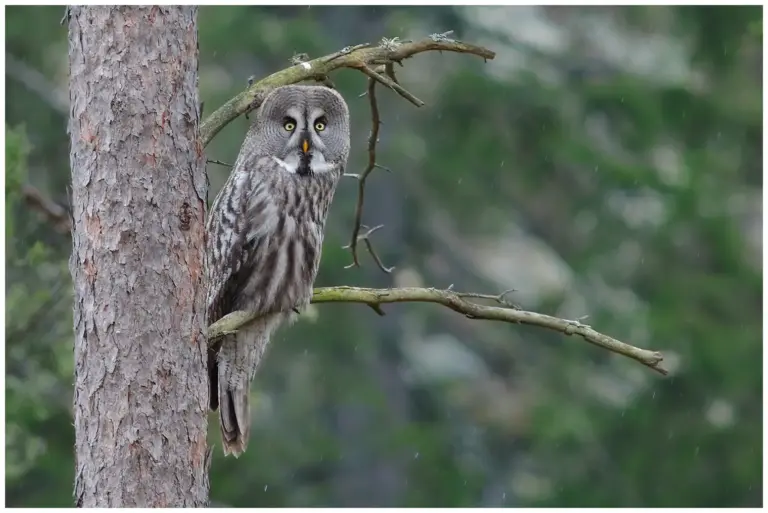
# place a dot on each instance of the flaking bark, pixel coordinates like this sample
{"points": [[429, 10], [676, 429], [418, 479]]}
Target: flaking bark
{"points": [[138, 191]]}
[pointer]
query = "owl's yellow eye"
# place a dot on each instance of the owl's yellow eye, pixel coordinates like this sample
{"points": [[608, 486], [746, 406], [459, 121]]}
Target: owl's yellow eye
{"points": [[290, 126], [319, 126]]}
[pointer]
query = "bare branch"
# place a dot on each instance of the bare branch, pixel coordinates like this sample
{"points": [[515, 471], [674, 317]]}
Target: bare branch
{"points": [[56, 97], [354, 57], [366, 238], [50, 210], [213, 161], [373, 138], [457, 302], [392, 85]]}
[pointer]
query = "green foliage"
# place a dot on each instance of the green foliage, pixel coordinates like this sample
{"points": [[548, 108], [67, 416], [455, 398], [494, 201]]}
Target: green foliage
{"points": [[36, 367], [643, 191]]}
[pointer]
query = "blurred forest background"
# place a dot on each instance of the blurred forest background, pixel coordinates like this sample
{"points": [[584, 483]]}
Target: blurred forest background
{"points": [[607, 163]]}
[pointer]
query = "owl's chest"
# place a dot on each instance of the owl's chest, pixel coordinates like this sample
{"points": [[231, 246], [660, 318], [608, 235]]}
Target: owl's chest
{"points": [[288, 260], [304, 198]]}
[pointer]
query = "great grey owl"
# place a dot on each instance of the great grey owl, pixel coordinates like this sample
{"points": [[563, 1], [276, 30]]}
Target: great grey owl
{"points": [[265, 233]]}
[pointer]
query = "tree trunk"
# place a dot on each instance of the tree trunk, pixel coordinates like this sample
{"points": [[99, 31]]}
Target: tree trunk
{"points": [[138, 199]]}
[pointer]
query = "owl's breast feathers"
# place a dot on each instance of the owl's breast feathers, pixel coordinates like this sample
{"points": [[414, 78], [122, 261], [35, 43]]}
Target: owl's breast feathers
{"points": [[265, 239]]}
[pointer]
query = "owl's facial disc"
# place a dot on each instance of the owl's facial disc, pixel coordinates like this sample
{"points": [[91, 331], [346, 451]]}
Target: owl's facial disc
{"points": [[306, 131]]}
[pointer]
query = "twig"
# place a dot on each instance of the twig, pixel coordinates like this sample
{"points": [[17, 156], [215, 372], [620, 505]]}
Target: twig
{"points": [[458, 303], [213, 161], [392, 85], [355, 58], [500, 298], [373, 138], [50, 210], [366, 238]]}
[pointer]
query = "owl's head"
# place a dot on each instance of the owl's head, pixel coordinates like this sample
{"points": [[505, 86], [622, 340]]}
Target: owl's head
{"points": [[305, 128]]}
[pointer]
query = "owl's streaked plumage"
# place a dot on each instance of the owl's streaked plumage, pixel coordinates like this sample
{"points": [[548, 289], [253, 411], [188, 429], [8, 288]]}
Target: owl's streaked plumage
{"points": [[265, 234]]}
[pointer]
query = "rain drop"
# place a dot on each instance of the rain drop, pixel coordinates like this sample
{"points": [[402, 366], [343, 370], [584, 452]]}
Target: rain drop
{"points": [[265, 487], [416, 456]]}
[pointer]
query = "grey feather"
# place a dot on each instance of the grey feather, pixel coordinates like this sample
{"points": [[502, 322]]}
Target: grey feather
{"points": [[265, 235]]}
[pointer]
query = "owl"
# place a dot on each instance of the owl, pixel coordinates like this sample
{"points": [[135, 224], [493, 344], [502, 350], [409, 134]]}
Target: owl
{"points": [[265, 234]]}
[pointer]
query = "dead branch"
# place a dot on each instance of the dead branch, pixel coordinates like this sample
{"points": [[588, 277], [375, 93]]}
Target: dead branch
{"points": [[355, 57], [458, 303], [392, 85], [373, 138], [49, 209], [214, 161]]}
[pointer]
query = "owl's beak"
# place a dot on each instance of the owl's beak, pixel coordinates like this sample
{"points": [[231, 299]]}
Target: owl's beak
{"points": [[305, 145]]}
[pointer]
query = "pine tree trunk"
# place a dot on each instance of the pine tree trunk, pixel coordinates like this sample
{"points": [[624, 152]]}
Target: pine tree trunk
{"points": [[138, 199]]}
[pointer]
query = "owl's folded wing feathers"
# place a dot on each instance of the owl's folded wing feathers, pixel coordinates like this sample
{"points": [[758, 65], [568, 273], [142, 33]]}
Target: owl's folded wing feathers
{"points": [[241, 218], [240, 221]]}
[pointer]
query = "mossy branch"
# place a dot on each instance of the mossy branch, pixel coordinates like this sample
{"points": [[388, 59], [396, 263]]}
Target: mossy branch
{"points": [[458, 302], [361, 57]]}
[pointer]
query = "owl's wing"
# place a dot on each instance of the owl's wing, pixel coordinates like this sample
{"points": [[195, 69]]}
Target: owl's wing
{"points": [[241, 217]]}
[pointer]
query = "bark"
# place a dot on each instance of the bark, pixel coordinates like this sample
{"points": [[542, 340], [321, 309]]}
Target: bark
{"points": [[138, 197]]}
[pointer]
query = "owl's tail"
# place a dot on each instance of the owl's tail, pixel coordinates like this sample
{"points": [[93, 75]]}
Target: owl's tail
{"points": [[230, 371], [231, 367], [234, 419]]}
